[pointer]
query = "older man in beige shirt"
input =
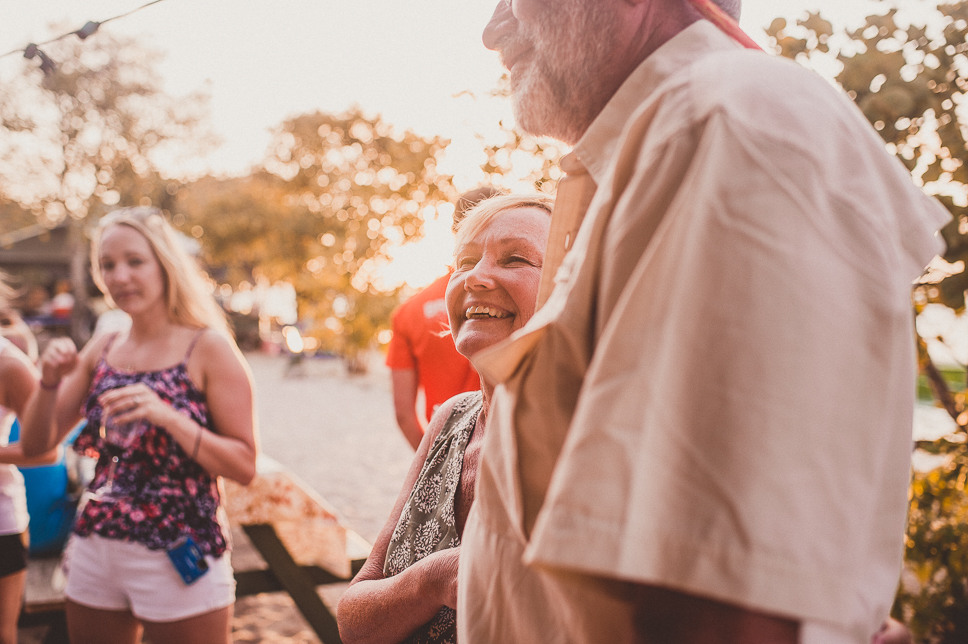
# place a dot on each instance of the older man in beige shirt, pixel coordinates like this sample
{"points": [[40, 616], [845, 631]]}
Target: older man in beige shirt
{"points": [[704, 435]]}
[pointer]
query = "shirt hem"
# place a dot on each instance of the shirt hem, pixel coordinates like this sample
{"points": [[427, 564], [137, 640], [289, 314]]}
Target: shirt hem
{"points": [[718, 571]]}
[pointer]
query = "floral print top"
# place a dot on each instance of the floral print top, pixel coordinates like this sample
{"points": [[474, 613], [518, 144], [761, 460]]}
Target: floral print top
{"points": [[167, 494], [427, 523]]}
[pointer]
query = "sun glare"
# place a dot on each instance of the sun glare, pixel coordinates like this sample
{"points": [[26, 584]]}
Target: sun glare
{"points": [[419, 263]]}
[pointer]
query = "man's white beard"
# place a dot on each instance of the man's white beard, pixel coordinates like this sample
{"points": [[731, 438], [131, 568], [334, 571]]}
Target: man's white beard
{"points": [[558, 94]]}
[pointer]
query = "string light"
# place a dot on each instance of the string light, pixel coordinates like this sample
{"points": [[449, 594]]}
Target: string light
{"points": [[47, 65]]}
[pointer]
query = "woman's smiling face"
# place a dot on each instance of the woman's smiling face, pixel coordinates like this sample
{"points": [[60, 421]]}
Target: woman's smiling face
{"points": [[494, 287]]}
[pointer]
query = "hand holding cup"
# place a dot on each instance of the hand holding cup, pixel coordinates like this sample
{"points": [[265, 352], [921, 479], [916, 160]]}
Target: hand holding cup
{"points": [[138, 402]]}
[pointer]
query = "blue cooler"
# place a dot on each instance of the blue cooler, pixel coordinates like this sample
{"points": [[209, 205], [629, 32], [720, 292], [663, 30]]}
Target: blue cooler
{"points": [[50, 502]]}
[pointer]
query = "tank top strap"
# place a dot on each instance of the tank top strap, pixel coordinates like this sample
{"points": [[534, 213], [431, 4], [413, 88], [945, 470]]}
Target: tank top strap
{"points": [[107, 346], [191, 345]]}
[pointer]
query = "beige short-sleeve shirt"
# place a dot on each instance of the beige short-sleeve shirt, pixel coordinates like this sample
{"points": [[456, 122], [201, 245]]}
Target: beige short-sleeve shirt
{"points": [[717, 397]]}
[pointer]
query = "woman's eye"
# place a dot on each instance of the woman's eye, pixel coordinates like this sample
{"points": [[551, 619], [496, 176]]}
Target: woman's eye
{"points": [[518, 259], [466, 262]]}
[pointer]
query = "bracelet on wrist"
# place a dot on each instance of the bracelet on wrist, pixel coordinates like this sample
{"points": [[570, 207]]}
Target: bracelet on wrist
{"points": [[198, 443], [53, 387]]}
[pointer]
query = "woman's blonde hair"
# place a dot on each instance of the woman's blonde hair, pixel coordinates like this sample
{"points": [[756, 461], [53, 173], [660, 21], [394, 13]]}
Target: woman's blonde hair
{"points": [[480, 216], [188, 301]]}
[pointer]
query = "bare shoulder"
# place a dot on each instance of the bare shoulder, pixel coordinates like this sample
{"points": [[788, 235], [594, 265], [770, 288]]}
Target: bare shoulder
{"points": [[18, 378], [213, 344], [13, 358], [215, 354], [91, 352], [14, 365], [440, 417]]}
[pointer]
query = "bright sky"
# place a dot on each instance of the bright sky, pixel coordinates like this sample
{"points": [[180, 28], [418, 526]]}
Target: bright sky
{"points": [[262, 61]]}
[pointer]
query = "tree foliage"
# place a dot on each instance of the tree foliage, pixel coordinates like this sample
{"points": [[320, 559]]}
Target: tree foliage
{"points": [[83, 138], [933, 597], [910, 81], [335, 192], [521, 161], [80, 138]]}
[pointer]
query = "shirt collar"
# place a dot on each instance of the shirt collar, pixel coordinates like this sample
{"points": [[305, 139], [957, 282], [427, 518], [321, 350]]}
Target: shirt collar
{"points": [[596, 148], [595, 152]]}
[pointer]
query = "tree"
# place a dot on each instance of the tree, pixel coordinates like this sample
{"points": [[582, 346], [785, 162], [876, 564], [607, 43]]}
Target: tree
{"points": [[911, 84], [335, 192], [521, 159], [85, 136], [81, 135]]}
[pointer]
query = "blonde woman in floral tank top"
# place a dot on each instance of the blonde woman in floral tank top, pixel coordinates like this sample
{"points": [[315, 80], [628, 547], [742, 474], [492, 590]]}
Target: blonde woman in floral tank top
{"points": [[407, 590], [178, 386]]}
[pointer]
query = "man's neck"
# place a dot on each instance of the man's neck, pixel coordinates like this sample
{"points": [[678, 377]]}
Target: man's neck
{"points": [[648, 27]]}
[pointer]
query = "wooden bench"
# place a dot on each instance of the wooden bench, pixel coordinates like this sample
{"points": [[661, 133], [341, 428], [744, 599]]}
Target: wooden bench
{"points": [[294, 530], [44, 599], [300, 538]]}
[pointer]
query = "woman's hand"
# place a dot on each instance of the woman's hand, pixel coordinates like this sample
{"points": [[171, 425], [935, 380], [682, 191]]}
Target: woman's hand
{"points": [[55, 406], [135, 402], [387, 610], [59, 359], [892, 632]]}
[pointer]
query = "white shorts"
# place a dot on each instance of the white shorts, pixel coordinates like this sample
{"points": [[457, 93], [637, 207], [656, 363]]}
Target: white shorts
{"points": [[110, 574]]}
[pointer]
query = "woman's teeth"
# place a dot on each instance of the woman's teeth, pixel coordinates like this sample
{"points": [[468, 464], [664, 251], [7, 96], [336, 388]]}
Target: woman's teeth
{"points": [[482, 312]]}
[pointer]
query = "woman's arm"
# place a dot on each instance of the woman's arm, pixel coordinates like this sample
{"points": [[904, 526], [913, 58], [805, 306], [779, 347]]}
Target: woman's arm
{"points": [[13, 454], [380, 610], [218, 369], [18, 381], [55, 406]]}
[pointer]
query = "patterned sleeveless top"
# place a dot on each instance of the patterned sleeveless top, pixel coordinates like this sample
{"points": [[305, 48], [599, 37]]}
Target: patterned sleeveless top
{"points": [[427, 523], [173, 495]]}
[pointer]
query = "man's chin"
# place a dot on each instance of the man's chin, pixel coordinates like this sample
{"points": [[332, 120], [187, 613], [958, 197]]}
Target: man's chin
{"points": [[537, 123], [534, 113]]}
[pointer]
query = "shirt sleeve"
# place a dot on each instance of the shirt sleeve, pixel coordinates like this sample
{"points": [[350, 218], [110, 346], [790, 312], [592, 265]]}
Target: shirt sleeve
{"points": [[400, 351]]}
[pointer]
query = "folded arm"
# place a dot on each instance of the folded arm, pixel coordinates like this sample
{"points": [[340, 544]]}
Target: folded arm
{"points": [[385, 610]]}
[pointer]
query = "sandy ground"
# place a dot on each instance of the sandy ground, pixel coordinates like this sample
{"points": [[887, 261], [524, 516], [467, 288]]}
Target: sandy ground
{"points": [[337, 433]]}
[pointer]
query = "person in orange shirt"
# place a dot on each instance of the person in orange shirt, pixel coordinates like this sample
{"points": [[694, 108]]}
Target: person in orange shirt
{"points": [[422, 353]]}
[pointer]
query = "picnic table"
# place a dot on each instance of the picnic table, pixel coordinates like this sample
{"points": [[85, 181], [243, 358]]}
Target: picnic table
{"points": [[296, 532]]}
